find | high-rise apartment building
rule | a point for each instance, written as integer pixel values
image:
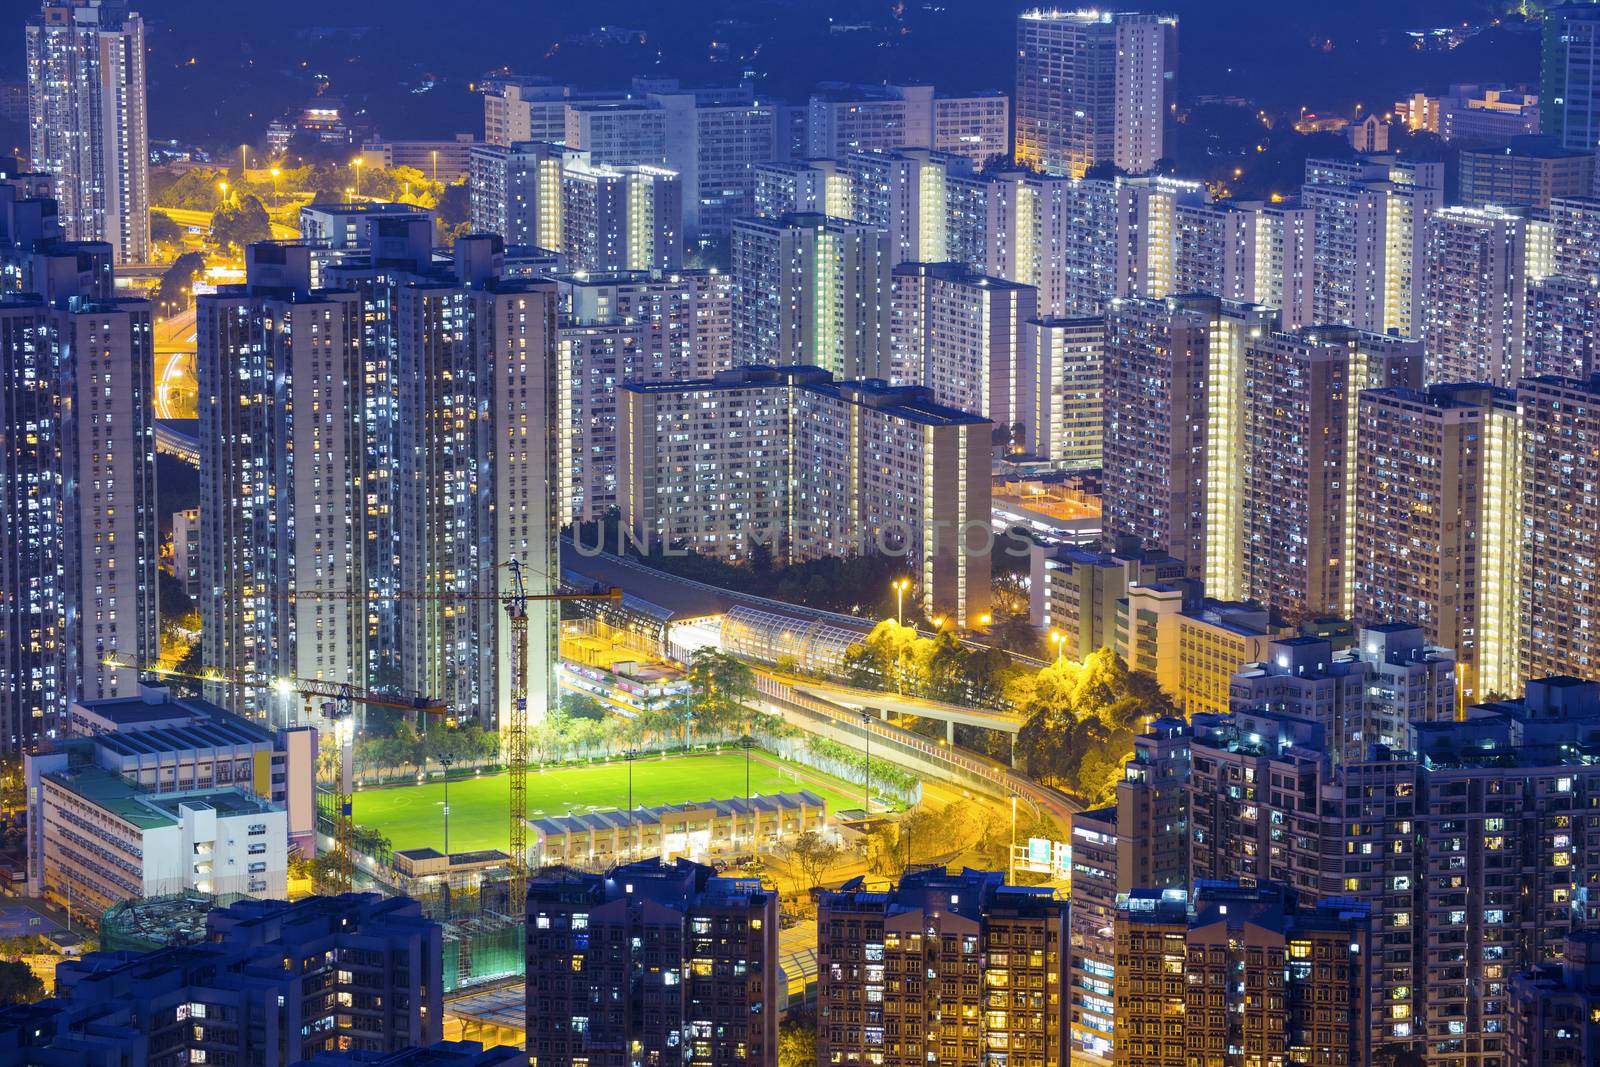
(620, 217)
(1157, 369)
(651, 961)
(1528, 172)
(1466, 846)
(272, 983)
(1091, 1005)
(812, 289)
(1244, 971)
(1570, 76)
(623, 327)
(1474, 289)
(1555, 1007)
(944, 968)
(1286, 261)
(599, 217)
(443, 378)
(962, 335)
(1563, 297)
(810, 466)
(713, 142)
(282, 464)
(1575, 233)
(1368, 247)
(87, 122)
(1560, 519)
(617, 133)
(528, 108)
(1093, 88)
(1062, 393)
(77, 493)
(1174, 410)
(1562, 335)
(1368, 694)
(1079, 242)
(1437, 537)
(843, 118)
(1296, 449)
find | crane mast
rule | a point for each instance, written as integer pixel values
(517, 737)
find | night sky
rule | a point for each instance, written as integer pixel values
(252, 61)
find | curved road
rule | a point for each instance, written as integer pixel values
(175, 342)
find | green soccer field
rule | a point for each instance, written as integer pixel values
(412, 817)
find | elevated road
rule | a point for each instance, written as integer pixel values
(176, 388)
(911, 750)
(952, 715)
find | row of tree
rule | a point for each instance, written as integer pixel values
(1080, 716)
(716, 708)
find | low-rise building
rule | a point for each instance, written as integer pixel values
(695, 830)
(103, 841)
(154, 794)
(1193, 645)
(423, 872)
(1074, 592)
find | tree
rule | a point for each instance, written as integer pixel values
(240, 222)
(164, 231)
(809, 856)
(18, 984)
(760, 557)
(894, 845)
(455, 204)
(864, 667)
(196, 190)
(722, 686)
(582, 706)
(179, 277)
(175, 605)
(797, 1041)
(324, 873)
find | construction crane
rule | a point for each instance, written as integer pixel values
(517, 738)
(337, 706)
(516, 721)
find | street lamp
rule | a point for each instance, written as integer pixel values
(275, 194)
(1057, 638)
(629, 756)
(745, 742)
(445, 761)
(356, 163)
(224, 187)
(900, 587)
(866, 775)
(435, 154)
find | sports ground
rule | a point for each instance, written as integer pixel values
(412, 816)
